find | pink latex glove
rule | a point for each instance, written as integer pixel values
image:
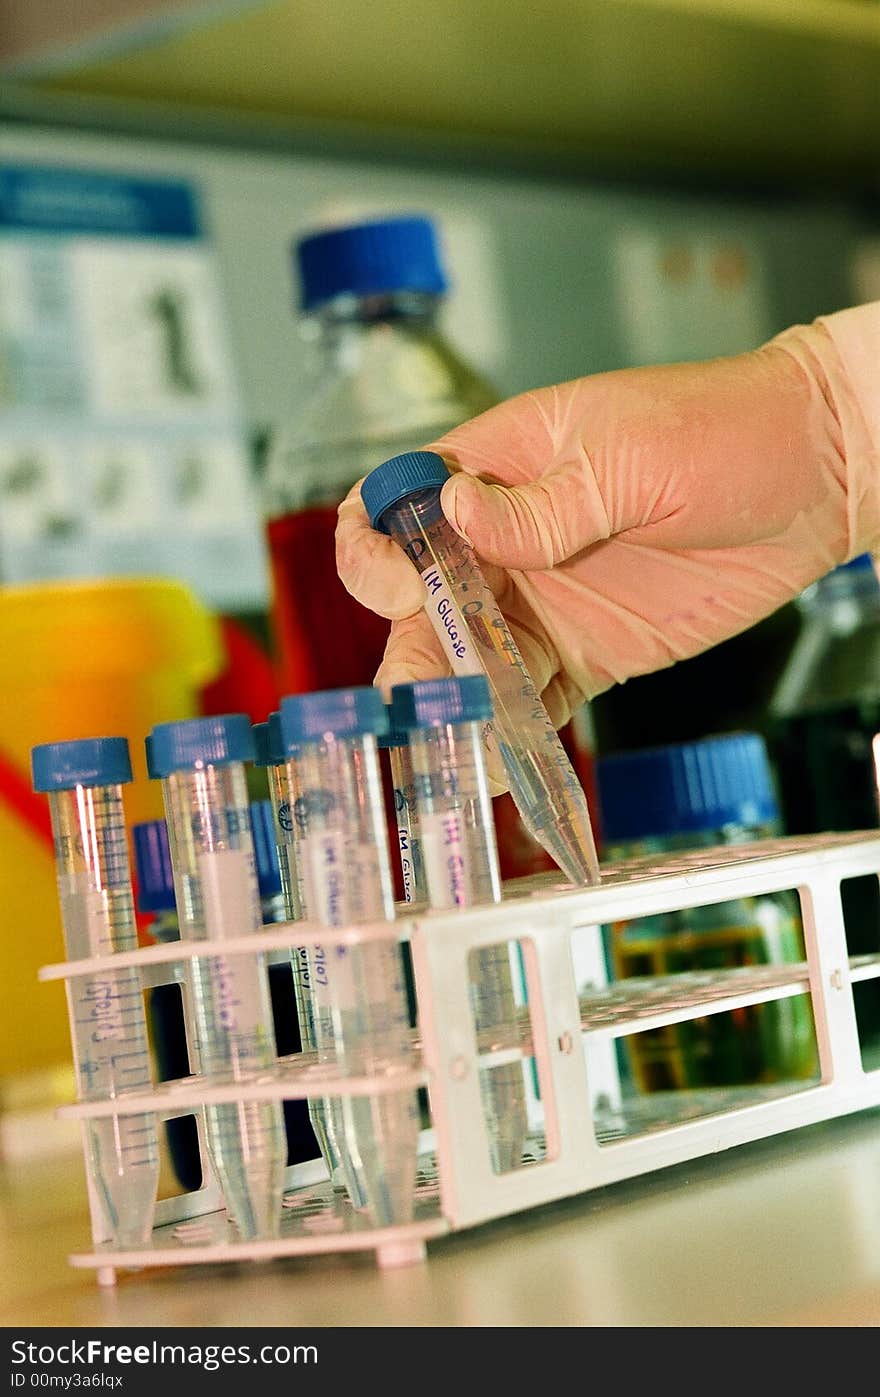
(631, 519)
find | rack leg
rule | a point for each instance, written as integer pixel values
(401, 1254)
(106, 1275)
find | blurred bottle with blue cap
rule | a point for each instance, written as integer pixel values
(697, 795)
(824, 720)
(382, 379)
(201, 765)
(826, 708)
(359, 998)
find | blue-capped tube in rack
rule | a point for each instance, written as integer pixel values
(201, 764)
(444, 719)
(84, 781)
(361, 1012)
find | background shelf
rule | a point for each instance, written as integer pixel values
(744, 85)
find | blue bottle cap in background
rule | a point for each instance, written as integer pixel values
(197, 742)
(152, 861)
(857, 564)
(369, 259)
(686, 788)
(433, 702)
(395, 736)
(856, 579)
(265, 848)
(332, 712)
(401, 476)
(87, 761)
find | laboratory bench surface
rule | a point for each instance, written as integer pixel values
(783, 1232)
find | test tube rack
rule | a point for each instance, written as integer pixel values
(575, 1151)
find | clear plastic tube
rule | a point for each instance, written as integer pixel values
(402, 497)
(444, 719)
(302, 1145)
(208, 817)
(361, 1015)
(284, 793)
(409, 836)
(406, 813)
(111, 1049)
(169, 1005)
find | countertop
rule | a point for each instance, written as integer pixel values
(783, 1232)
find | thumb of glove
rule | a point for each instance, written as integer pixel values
(530, 526)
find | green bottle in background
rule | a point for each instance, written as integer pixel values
(687, 796)
(824, 719)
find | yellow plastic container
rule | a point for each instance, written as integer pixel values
(77, 659)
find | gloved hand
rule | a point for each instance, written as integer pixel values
(631, 519)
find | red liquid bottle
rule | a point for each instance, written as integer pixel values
(383, 379)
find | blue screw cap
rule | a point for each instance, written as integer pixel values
(331, 712)
(265, 848)
(686, 788)
(370, 259)
(87, 761)
(267, 736)
(399, 477)
(152, 861)
(395, 736)
(197, 742)
(434, 702)
(277, 750)
(261, 744)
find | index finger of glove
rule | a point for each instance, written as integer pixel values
(372, 567)
(412, 653)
